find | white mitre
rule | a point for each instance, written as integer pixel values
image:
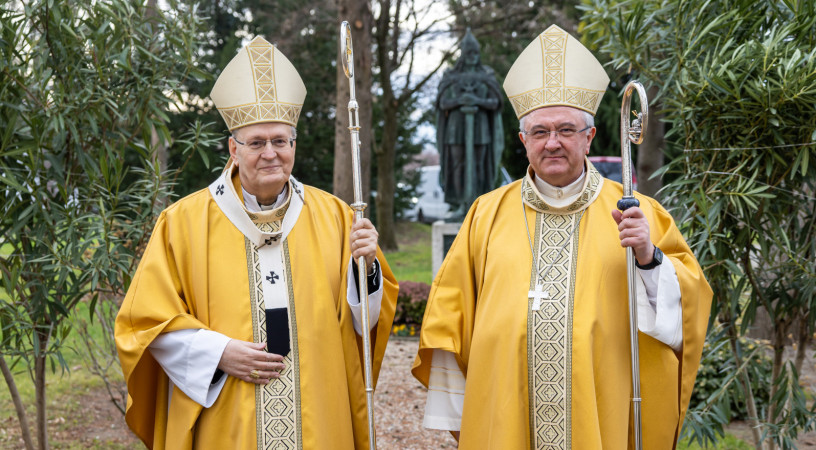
(259, 85)
(555, 70)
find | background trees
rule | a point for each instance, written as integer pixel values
(737, 80)
(85, 90)
(401, 25)
(90, 92)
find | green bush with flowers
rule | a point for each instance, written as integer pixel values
(413, 296)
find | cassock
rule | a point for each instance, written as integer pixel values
(212, 265)
(543, 347)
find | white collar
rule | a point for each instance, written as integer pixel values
(252, 205)
(225, 196)
(559, 196)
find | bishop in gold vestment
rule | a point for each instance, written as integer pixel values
(525, 339)
(253, 276)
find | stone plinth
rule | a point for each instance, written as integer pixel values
(442, 236)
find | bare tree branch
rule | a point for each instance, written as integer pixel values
(407, 93)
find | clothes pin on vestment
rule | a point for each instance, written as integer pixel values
(537, 296)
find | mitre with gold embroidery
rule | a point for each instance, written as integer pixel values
(259, 85)
(555, 70)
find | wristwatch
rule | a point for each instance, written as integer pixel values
(657, 259)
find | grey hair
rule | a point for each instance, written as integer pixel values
(589, 120)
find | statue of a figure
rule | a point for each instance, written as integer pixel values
(469, 132)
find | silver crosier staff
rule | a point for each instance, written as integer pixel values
(632, 133)
(347, 61)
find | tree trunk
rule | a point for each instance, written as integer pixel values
(358, 14)
(386, 187)
(802, 343)
(753, 418)
(802, 339)
(18, 404)
(650, 153)
(39, 390)
(778, 343)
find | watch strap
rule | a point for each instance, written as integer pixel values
(657, 259)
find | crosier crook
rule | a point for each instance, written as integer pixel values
(632, 133)
(347, 61)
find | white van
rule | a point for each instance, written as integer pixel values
(429, 204)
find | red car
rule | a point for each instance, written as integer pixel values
(610, 167)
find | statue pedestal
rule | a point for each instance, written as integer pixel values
(442, 236)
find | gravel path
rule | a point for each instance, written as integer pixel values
(399, 403)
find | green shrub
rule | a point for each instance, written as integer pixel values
(717, 371)
(413, 296)
(729, 442)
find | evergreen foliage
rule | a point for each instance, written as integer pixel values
(738, 81)
(504, 30)
(714, 391)
(307, 33)
(85, 92)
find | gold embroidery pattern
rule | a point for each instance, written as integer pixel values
(554, 45)
(262, 58)
(243, 115)
(277, 403)
(266, 107)
(271, 221)
(554, 91)
(549, 332)
(592, 188)
(293, 327)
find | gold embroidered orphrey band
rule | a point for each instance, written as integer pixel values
(549, 328)
(549, 332)
(277, 403)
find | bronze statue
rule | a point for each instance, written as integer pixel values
(469, 132)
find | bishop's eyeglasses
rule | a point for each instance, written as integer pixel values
(539, 134)
(260, 144)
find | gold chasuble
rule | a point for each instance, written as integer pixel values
(204, 269)
(545, 347)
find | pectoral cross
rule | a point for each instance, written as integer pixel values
(537, 296)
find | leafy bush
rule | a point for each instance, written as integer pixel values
(716, 382)
(729, 442)
(413, 296)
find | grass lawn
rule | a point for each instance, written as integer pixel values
(729, 442)
(413, 260)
